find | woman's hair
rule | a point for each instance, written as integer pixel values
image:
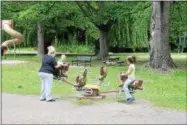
(132, 59)
(51, 51)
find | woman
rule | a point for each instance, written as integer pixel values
(46, 74)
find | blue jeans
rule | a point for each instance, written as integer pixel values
(125, 87)
(46, 85)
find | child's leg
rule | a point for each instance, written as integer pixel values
(63, 73)
(125, 87)
(60, 72)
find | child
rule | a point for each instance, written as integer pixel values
(65, 66)
(131, 78)
(62, 59)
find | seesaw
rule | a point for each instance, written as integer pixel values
(92, 91)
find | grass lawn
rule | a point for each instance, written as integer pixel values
(165, 90)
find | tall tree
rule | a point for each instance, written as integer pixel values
(55, 20)
(40, 35)
(178, 25)
(131, 29)
(160, 57)
(106, 16)
(35, 14)
(97, 15)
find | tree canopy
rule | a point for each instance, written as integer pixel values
(65, 21)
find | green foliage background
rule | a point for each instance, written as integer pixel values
(130, 30)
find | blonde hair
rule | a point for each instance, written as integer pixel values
(51, 51)
(63, 56)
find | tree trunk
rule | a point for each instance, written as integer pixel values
(40, 35)
(160, 57)
(103, 45)
(48, 40)
(86, 38)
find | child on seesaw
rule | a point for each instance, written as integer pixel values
(131, 78)
(65, 66)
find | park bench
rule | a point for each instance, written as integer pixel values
(121, 63)
(86, 59)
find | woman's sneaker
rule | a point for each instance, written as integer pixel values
(42, 99)
(130, 100)
(51, 100)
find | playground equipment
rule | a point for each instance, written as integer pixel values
(87, 90)
(61, 72)
(137, 84)
(92, 91)
(7, 26)
(80, 80)
(103, 74)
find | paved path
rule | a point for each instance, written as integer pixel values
(18, 109)
(12, 61)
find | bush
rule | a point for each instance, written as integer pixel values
(74, 48)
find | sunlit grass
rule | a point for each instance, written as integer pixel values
(164, 89)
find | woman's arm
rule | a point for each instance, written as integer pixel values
(70, 83)
(58, 65)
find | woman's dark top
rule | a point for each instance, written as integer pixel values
(48, 64)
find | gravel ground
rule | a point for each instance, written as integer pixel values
(19, 109)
